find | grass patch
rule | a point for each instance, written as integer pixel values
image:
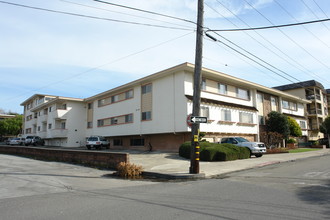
(300, 150)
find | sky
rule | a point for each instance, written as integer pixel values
(79, 48)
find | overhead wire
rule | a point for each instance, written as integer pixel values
(92, 17)
(267, 48)
(293, 41)
(313, 13)
(105, 64)
(127, 14)
(146, 11)
(289, 59)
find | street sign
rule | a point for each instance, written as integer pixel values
(198, 119)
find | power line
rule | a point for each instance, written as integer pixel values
(293, 41)
(105, 64)
(92, 17)
(313, 12)
(246, 56)
(146, 11)
(127, 14)
(293, 62)
(273, 26)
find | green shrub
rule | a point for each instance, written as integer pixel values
(216, 152)
(291, 141)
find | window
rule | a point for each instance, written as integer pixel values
(203, 84)
(146, 88)
(242, 93)
(137, 142)
(114, 98)
(90, 105)
(273, 103)
(245, 117)
(39, 128)
(204, 111)
(62, 125)
(222, 89)
(129, 94)
(302, 124)
(293, 106)
(129, 118)
(89, 124)
(49, 126)
(46, 111)
(114, 121)
(100, 123)
(118, 142)
(146, 116)
(289, 105)
(285, 104)
(50, 109)
(101, 102)
(225, 115)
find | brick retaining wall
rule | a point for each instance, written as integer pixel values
(107, 160)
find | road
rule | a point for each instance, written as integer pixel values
(43, 190)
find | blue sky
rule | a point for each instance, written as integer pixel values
(58, 54)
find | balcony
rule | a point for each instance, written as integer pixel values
(60, 114)
(314, 112)
(59, 133)
(313, 97)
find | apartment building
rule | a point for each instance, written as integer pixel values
(317, 110)
(151, 113)
(328, 100)
(58, 120)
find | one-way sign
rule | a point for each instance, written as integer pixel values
(198, 119)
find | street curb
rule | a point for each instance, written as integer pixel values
(174, 176)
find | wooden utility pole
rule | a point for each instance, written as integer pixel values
(194, 161)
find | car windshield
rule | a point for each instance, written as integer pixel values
(93, 139)
(240, 139)
(16, 139)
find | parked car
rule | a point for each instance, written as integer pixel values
(17, 141)
(98, 142)
(256, 148)
(34, 140)
(8, 141)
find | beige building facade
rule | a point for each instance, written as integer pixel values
(151, 113)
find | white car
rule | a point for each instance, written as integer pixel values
(98, 142)
(17, 141)
(256, 148)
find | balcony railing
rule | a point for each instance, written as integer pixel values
(313, 97)
(59, 133)
(315, 111)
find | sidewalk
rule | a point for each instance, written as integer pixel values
(172, 166)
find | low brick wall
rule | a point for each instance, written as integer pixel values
(106, 160)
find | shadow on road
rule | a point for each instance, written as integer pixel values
(318, 194)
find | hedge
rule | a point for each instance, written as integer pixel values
(216, 152)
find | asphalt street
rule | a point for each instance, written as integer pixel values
(46, 190)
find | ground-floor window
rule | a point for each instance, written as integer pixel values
(118, 142)
(137, 142)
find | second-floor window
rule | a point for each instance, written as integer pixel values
(222, 89)
(242, 93)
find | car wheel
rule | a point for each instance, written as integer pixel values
(258, 155)
(88, 147)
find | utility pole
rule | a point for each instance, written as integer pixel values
(195, 148)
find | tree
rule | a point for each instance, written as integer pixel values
(294, 127)
(277, 122)
(325, 128)
(11, 126)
